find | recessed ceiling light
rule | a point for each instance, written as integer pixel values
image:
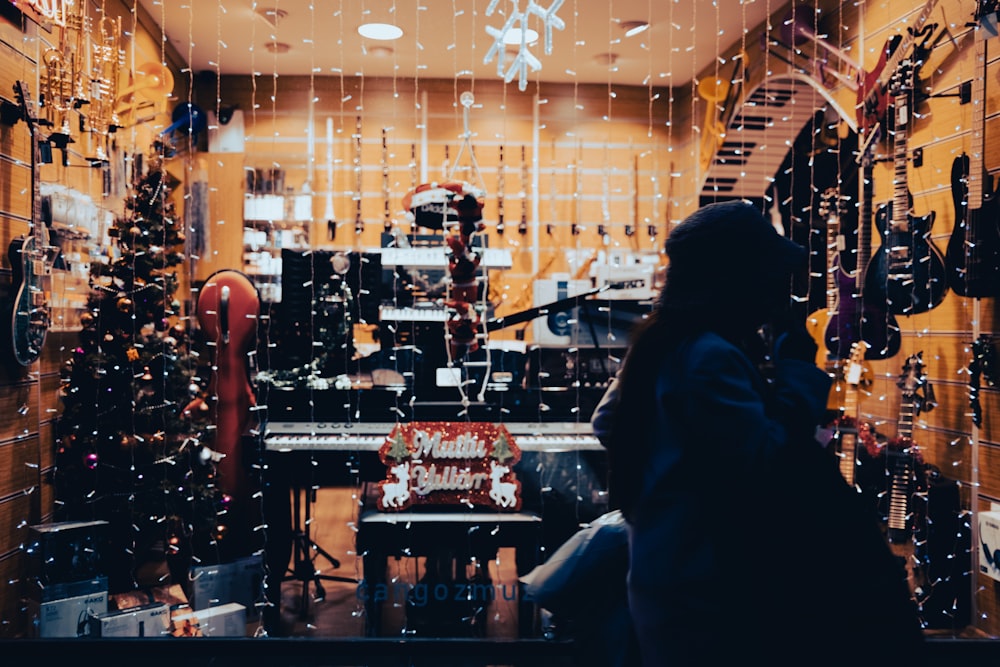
(379, 51)
(380, 31)
(277, 47)
(633, 28)
(513, 36)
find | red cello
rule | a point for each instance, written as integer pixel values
(228, 309)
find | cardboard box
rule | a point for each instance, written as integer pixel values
(227, 620)
(68, 617)
(989, 538)
(149, 620)
(239, 581)
(65, 551)
(68, 589)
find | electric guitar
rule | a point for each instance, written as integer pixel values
(848, 431)
(973, 253)
(31, 258)
(903, 461)
(227, 310)
(840, 289)
(876, 326)
(908, 269)
(872, 100)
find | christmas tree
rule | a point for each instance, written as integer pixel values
(133, 443)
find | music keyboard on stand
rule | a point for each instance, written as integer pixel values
(436, 257)
(551, 437)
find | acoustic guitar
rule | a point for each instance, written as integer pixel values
(228, 308)
(973, 253)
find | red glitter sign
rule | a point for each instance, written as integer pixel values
(449, 463)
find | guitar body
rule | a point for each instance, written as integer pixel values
(923, 283)
(30, 314)
(228, 308)
(972, 256)
(872, 100)
(856, 320)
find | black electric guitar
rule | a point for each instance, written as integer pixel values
(907, 269)
(973, 252)
(903, 461)
(858, 317)
(31, 258)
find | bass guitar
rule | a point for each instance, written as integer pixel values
(228, 308)
(973, 253)
(908, 269)
(31, 258)
(872, 98)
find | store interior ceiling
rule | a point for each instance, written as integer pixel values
(445, 39)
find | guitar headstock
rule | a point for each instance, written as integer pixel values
(24, 100)
(912, 376)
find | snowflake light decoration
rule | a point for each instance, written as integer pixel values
(524, 58)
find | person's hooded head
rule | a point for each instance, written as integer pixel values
(728, 264)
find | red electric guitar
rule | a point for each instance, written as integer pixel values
(873, 100)
(228, 309)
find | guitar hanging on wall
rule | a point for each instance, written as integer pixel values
(907, 269)
(31, 257)
(872, 97)
(876, 326)
(973, 253)
(903, 461)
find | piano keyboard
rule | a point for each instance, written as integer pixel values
(411, 314)
(370, 436)
(436, 257)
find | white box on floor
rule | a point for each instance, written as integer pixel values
(239, 581)
(148, 620)
(68, 617)
(227, 620)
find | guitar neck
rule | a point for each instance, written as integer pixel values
(974, 179)
(901, 193)
(865, 219)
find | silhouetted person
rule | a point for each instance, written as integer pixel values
(731, 501)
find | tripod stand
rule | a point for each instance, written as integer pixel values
(305, 551)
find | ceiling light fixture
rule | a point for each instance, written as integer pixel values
(513, 36)
(633, 28)
(383, 32)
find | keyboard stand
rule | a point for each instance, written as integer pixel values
(305, 551)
